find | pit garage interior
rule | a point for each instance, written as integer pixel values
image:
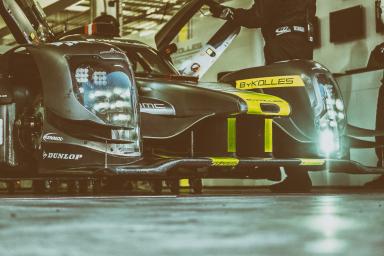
(227, 216)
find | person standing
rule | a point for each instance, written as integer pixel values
(287, 29)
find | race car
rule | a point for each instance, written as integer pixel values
(91, 107)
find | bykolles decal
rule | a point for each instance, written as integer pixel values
(270, 82)
(156, 107)
(62, 156)
(52, 137)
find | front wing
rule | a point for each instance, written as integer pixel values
(215, 167)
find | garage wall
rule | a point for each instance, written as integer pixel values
(351, 55)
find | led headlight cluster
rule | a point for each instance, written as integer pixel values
(82, 75)
(121, 118)
(105, 88)
(100, 78)
(124, 94)
(334, 108)
(330, 117)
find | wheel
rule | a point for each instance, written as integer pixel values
(96, 186)
(157, 187)
(11, 187)
(196, 185)
(114, 185)
(83, 186)
(38, 186)
(71, 187)
(174, 186)
(54, 186)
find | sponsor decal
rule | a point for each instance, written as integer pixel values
(254, 101)
(52, 137)
(282, 30)
(61, 156)
(270, 82)
(312, 162)
(299, 29)
(224, 161)
(156, 107)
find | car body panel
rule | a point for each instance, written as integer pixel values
(225, 130)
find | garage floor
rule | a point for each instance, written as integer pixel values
(343, 222)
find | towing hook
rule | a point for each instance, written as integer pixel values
(29, 123)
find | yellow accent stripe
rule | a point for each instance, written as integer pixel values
(270, 82)
(312, 162)
(254, 101)
(184, 183)
(231, 130)
(268, 136)
(224, 161)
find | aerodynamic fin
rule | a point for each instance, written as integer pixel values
(361, 132)
(290, 128)
(357, 143)
(352, 167)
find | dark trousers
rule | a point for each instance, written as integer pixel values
(380, 123)
(287, 47)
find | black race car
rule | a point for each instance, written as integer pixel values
(88, 107)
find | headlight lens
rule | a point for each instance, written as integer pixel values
(329, 142)
(106, 89)
(329, 115)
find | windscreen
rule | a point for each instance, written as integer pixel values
(145, 60)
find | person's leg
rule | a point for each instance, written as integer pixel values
(379, 183)
(376, 183)
(297, 181)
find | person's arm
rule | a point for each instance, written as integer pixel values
(311, 9)
(255, 17)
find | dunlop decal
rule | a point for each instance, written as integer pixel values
(224, 161)
(270, 82)
(312, 162)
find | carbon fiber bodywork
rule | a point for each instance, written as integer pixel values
(78, 106)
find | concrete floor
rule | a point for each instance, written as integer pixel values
(254, 224)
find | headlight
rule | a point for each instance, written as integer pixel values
(340, 105)
(328, 142)
(105, 87)
(329, 115)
